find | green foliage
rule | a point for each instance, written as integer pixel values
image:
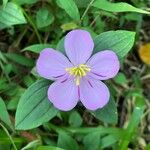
(75, 119)
(44, 18)
(4, 116)
(29, 26)
(11, 15)
(117, 7)
(118, 41)
(37, 48)
(21, 2)
(111, 111)
(66, 142)
(49, 148)
(92, 141)
(70, 7)
(20, 59)
(120, 78)
(34, 107)
(4, 3)
(133, 123)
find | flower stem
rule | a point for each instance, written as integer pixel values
(6, 131)
(85, 12)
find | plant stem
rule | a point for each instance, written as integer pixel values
(85, 12)
(33, 25)
(6, 131)
(3, 69)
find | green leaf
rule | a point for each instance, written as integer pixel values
(75, 119)
(82, 3)
(49, 148)
(22, 60)
(37, 48)
(92, 141)
(21, 2)
(133, 122)
(67, 142)
(4, 3)
(70, 7)
(110, 140)
(44, 18)
(60, 46)
(108, 113)
(117, 7)
(11, 15)
(32, 144)
(34, 108)
(120, 78)
(119, 41)
(4, 116)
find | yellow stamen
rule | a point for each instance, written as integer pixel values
(78, 72)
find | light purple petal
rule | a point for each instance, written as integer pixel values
(94, 94)
(51, 64)
(104, 65)
(79, 46)
(63, 94)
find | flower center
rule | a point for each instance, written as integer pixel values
(78, 72)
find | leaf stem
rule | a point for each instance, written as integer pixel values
(33, 25)
(85, 12)
(6, 131)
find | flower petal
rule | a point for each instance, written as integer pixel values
(79, 46)
(51, 64)
(104, 65)
(63, 94)
(94, 94)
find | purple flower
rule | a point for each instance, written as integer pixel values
(78, 76)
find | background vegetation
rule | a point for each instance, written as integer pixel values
(28, 26)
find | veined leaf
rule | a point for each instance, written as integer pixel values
(11, 15)
(34, 108)
(117, 7)
(119, 41)
(70, 7)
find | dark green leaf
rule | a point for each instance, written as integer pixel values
(75, 119)
(34, 108)
(20, 59)
(119, 41)
(70, 7)
(117, 7)
(60, 46)
(67, 142)
(4, 116)
(44, 18)
(108, 113)
(92, 141)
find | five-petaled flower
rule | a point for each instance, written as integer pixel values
(78, 76)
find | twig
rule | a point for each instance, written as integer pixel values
(89, 5)
(15, 148)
